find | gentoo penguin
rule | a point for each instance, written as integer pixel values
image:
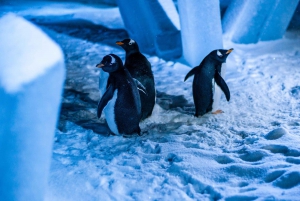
(121, 100)
(140, 69)
(209, 69)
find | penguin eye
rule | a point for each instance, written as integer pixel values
(131, 42)
(219, 53)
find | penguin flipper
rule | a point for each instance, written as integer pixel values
(222, 84)
(140, 86)
(192, 72)
(104, 100)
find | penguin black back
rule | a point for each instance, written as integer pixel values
(209, 69)
(140, 69)
(121, 101)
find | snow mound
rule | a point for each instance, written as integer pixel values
(18, 66)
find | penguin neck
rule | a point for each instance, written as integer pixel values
(215, 62)
(118, 73)
(132, 51)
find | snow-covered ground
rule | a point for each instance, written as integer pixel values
(250, 152)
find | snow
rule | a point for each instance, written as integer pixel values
(251, 151)
(25, 65)
(31, 80)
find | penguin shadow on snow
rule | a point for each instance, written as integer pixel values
(176, 103)
(78, 107)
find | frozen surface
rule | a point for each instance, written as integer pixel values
(252, 21)
(252, 151)
(31, 77)
(19, 67)
(201, 30)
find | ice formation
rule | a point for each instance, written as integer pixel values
(31, 80)
(251, 21)
(149, 23)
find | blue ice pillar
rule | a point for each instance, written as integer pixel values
(31, 80)
(201, 30)
(154, 24)
(201, 33)
(279, 20)
(249, 21)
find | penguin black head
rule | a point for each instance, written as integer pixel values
(129, 45)
(220, 55)
(110, 63)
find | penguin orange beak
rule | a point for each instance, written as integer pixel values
(99, 65)
(229, 51)
(119, 43)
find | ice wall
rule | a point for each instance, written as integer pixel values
(31, 80)
(154, 24)
(201, 30)
(249, 21)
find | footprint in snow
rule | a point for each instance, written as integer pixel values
(276, 134)
(281, 149)
(224, 159)
(295, 92)
(288, 180)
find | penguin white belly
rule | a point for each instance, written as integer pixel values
(218, 91)
(109, 112)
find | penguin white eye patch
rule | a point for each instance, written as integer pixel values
(113, 60)
(131, 42)
(219, 53)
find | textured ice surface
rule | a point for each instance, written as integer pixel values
(201, 30)
(251, 21)
(19, 67)
(148, 23)
(31, 76)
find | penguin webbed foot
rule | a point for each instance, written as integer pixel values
(218, 112)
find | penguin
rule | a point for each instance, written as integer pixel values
(121, 100)
(209, 69)
(140, 69)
